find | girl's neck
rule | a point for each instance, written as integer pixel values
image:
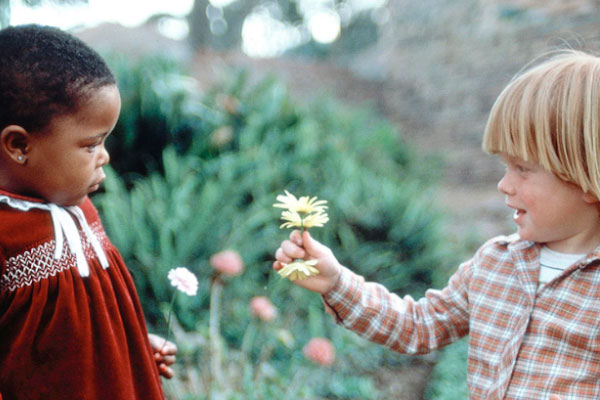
(9, 193)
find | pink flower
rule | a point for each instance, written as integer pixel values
(263, 308)
(320, 351)
(184, 280)
(227, 262)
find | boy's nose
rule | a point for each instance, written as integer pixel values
(504, 186)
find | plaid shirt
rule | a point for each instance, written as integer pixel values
(523, 343)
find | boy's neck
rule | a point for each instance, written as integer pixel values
(582, 246)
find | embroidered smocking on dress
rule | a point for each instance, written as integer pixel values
(36, 261)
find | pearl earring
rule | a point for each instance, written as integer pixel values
(19, 158)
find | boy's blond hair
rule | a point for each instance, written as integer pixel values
(550, 114)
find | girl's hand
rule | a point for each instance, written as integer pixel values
(305, 247)
(164, 354)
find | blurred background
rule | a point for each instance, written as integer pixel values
(377, 106)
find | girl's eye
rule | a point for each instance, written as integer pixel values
(92, 147)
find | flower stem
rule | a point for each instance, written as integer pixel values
(169, 320)
(213, 330)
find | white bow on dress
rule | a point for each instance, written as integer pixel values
(65, 229)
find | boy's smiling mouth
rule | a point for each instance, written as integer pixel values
(518, 213)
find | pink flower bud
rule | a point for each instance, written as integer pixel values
(263, 308)
(227, 262)
(320, 351)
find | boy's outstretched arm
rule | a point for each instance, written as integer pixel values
(305, 247)
(164, 354)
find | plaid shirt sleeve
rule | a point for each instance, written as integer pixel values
(525, 342)
(403, 324)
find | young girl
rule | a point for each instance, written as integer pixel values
(71, 326)
(530, 301)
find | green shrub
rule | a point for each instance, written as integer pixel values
(449, 377)
(160, 108)
(208, 184)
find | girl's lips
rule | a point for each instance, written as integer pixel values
(96, 186)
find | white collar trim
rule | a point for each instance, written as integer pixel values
(65, 229)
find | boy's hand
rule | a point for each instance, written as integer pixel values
(307, 248)
(554, 397)
(164, 354)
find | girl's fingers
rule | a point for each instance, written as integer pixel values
(169, 360)
(165, 371)
(169, 349)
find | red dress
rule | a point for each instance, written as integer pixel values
(64, 335)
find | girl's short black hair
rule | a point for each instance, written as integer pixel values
(45, 72)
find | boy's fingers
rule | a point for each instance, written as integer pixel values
(291, 250)
(296, 237)
(280, 256)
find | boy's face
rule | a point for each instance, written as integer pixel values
(549, 210)
(65, 160)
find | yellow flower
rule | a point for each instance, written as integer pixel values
(302, 213)
(317, 219)
(298, 269)
(303, 205)
(295, 220)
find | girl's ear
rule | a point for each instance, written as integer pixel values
(15, 143)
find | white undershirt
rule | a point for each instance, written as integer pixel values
(553, 263)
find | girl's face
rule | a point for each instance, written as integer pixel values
(549, 210)
(65, 159)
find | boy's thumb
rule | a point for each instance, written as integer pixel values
(311, 245)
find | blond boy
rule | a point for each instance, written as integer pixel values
(530, 302)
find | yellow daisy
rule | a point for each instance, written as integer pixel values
(303, 205)
(317, 219)
(295, 220)
(298, 269)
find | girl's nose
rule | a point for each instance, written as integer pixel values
(104, 157)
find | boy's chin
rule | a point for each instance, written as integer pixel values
(525, 235)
